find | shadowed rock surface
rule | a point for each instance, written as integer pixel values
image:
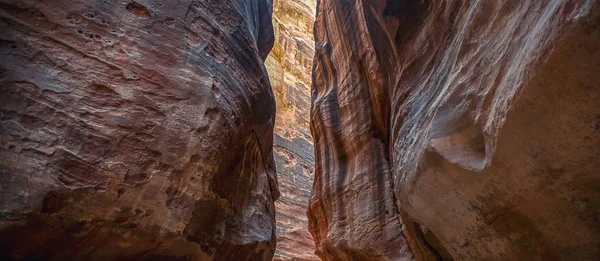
(465, 130)
(136, 130)
(290, 65)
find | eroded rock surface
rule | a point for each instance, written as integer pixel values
(290, 66)
(136, 130)
(463, 130)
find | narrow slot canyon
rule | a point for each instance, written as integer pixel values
(299, 130)
(290, 72)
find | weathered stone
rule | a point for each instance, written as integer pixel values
(289, 66)
(136, 130)
(295, 163)
(467, 130)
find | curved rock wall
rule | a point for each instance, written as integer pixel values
(136, 130)
(290, 65)
(462, 130)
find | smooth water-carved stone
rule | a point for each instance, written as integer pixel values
(461, 130)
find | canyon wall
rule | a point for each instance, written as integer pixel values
(290, 65)
(456, 130)
(136, 130)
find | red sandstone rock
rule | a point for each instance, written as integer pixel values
(463, 130)
(136, 130)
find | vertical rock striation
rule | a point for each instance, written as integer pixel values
(136, 130)
(289, 65)
(463, 130)
(353, 213)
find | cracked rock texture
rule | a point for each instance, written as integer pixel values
(290, 65)
(136, 130)
(456, 130)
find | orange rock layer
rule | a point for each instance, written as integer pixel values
(456, 130)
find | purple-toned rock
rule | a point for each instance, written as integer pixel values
(136, 130)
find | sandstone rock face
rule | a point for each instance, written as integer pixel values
(136, 130)
(290, 66)
(463, 130)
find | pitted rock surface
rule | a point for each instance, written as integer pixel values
(136, 130)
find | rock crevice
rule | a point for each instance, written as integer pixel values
(289, 65)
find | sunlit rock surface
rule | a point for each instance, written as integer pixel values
(136, 130)
(290, 65)
(465, 130)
